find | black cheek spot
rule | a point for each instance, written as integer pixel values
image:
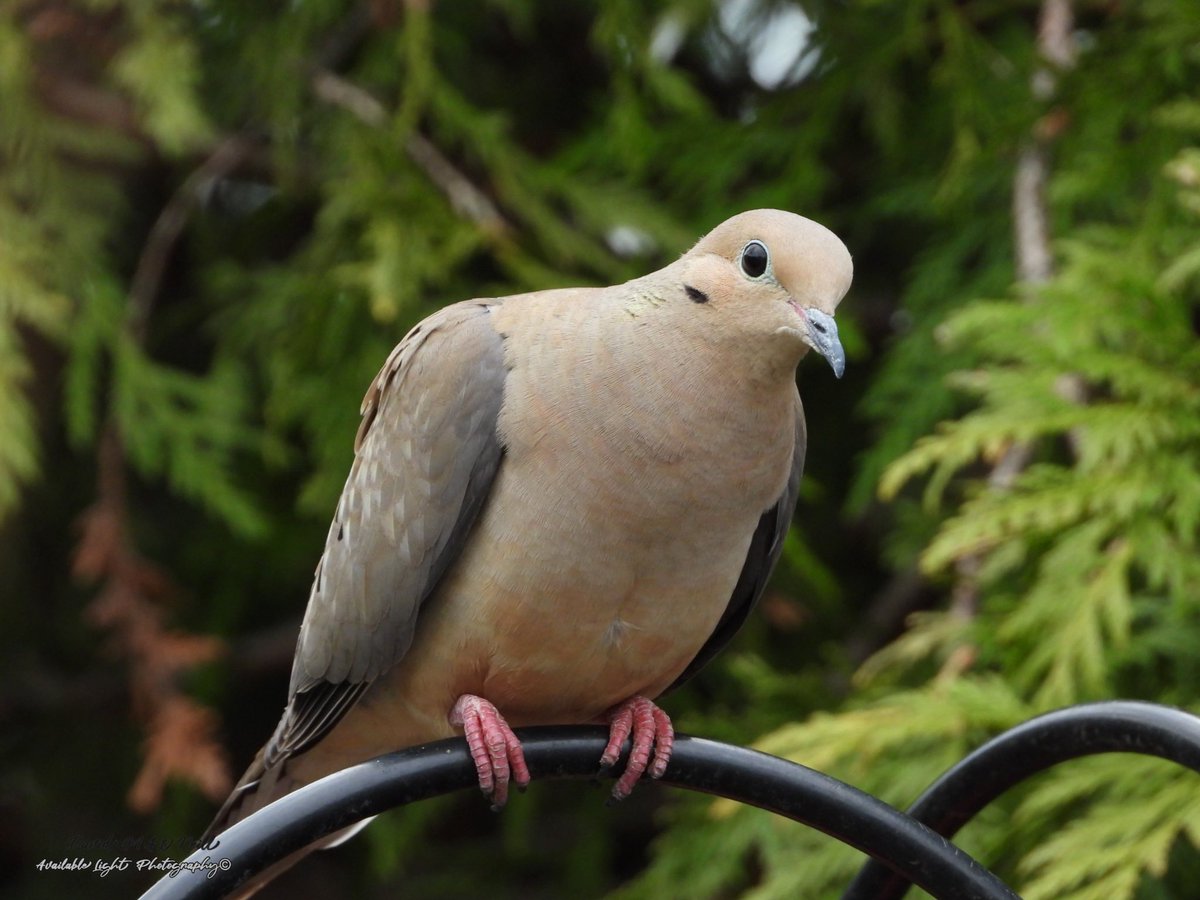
(341, 531)
(696, 295)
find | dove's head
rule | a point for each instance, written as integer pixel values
(772, 279)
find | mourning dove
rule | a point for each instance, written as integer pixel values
(562, 504)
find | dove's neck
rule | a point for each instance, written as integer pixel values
(678, 388)
(703, 331)
(644, 399)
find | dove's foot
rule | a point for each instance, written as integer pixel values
(652, 730)
(494, 748)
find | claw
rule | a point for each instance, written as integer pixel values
(494, 748)
(651, 729)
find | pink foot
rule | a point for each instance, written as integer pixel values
(494, 748)
(651, 728)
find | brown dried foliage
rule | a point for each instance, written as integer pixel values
(181, 735)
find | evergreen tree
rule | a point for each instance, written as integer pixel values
(217, 218)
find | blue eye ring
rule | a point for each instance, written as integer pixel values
(755, 259)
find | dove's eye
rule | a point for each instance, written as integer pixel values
(755, 258)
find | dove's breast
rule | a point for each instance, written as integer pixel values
(615, 531)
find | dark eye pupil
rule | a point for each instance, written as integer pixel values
(754, 259)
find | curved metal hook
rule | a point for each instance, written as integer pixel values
(748, 776)
(1117, 726)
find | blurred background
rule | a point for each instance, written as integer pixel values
(217, 218)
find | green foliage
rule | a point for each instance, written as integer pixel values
(38, 243)
(1127, 810)
(160, 71)
(1101, 374)
(712, 849)
(18, 457)
(395, 157)
(1091, 556)
(1085, 562)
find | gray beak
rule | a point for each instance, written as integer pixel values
(823, 333)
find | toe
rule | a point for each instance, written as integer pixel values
(494, 747)
(653, 738)
(619, 725)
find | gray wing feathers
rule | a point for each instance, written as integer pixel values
(425, 457)
(766, 546)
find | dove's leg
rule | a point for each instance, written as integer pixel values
(651, 728)
(494, 748)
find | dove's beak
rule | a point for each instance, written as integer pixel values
(822, 336)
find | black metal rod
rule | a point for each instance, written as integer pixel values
(748, 776)
(1032, 747)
